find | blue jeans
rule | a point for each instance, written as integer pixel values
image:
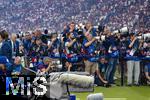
(110, 71)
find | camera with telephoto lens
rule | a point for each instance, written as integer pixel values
(100, 28)
(80, 32)
(102, 37)
(144, 36)
(121, 31)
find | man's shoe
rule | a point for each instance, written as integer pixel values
(129, 85)
(137, 84)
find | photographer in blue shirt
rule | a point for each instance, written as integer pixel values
(111, 44)
(54, 46)
(5, 48)
(73, 50)
(101, 71)
(133, 60)
(113, 54)
(91, 61)
(146, 60)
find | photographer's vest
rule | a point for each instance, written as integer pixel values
(90, 52)
(133, 53)
(74, 49)
(73, 53)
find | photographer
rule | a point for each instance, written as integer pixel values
(146, 61)
(14, 43)
(111, 43)
(67, 67)
(113, 55)
(38, 34)
(27, 41)
(73, 49)
(122, 53)
(101, 71)
(45, 65)
(54, 46)
(21, 52)
(37, 51)
(89, 44)
(107, 38)
(5, 48)
(24, 50)
(133, 60)
(45, 37)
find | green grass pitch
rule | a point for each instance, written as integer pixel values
(119, 93)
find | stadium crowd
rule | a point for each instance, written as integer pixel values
(25, 15)
(80, 47)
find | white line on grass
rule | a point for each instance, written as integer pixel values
(115, 98)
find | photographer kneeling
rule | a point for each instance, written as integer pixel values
(46, 65)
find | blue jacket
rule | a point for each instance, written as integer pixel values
(5, 61)
(27, 45)
(5, 50)
(17, 68)
(16, 47)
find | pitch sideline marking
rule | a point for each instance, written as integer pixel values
(115, 98)
(111, 99)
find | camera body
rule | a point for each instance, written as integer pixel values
(101, 28)
(21, 35)
(57, 63)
